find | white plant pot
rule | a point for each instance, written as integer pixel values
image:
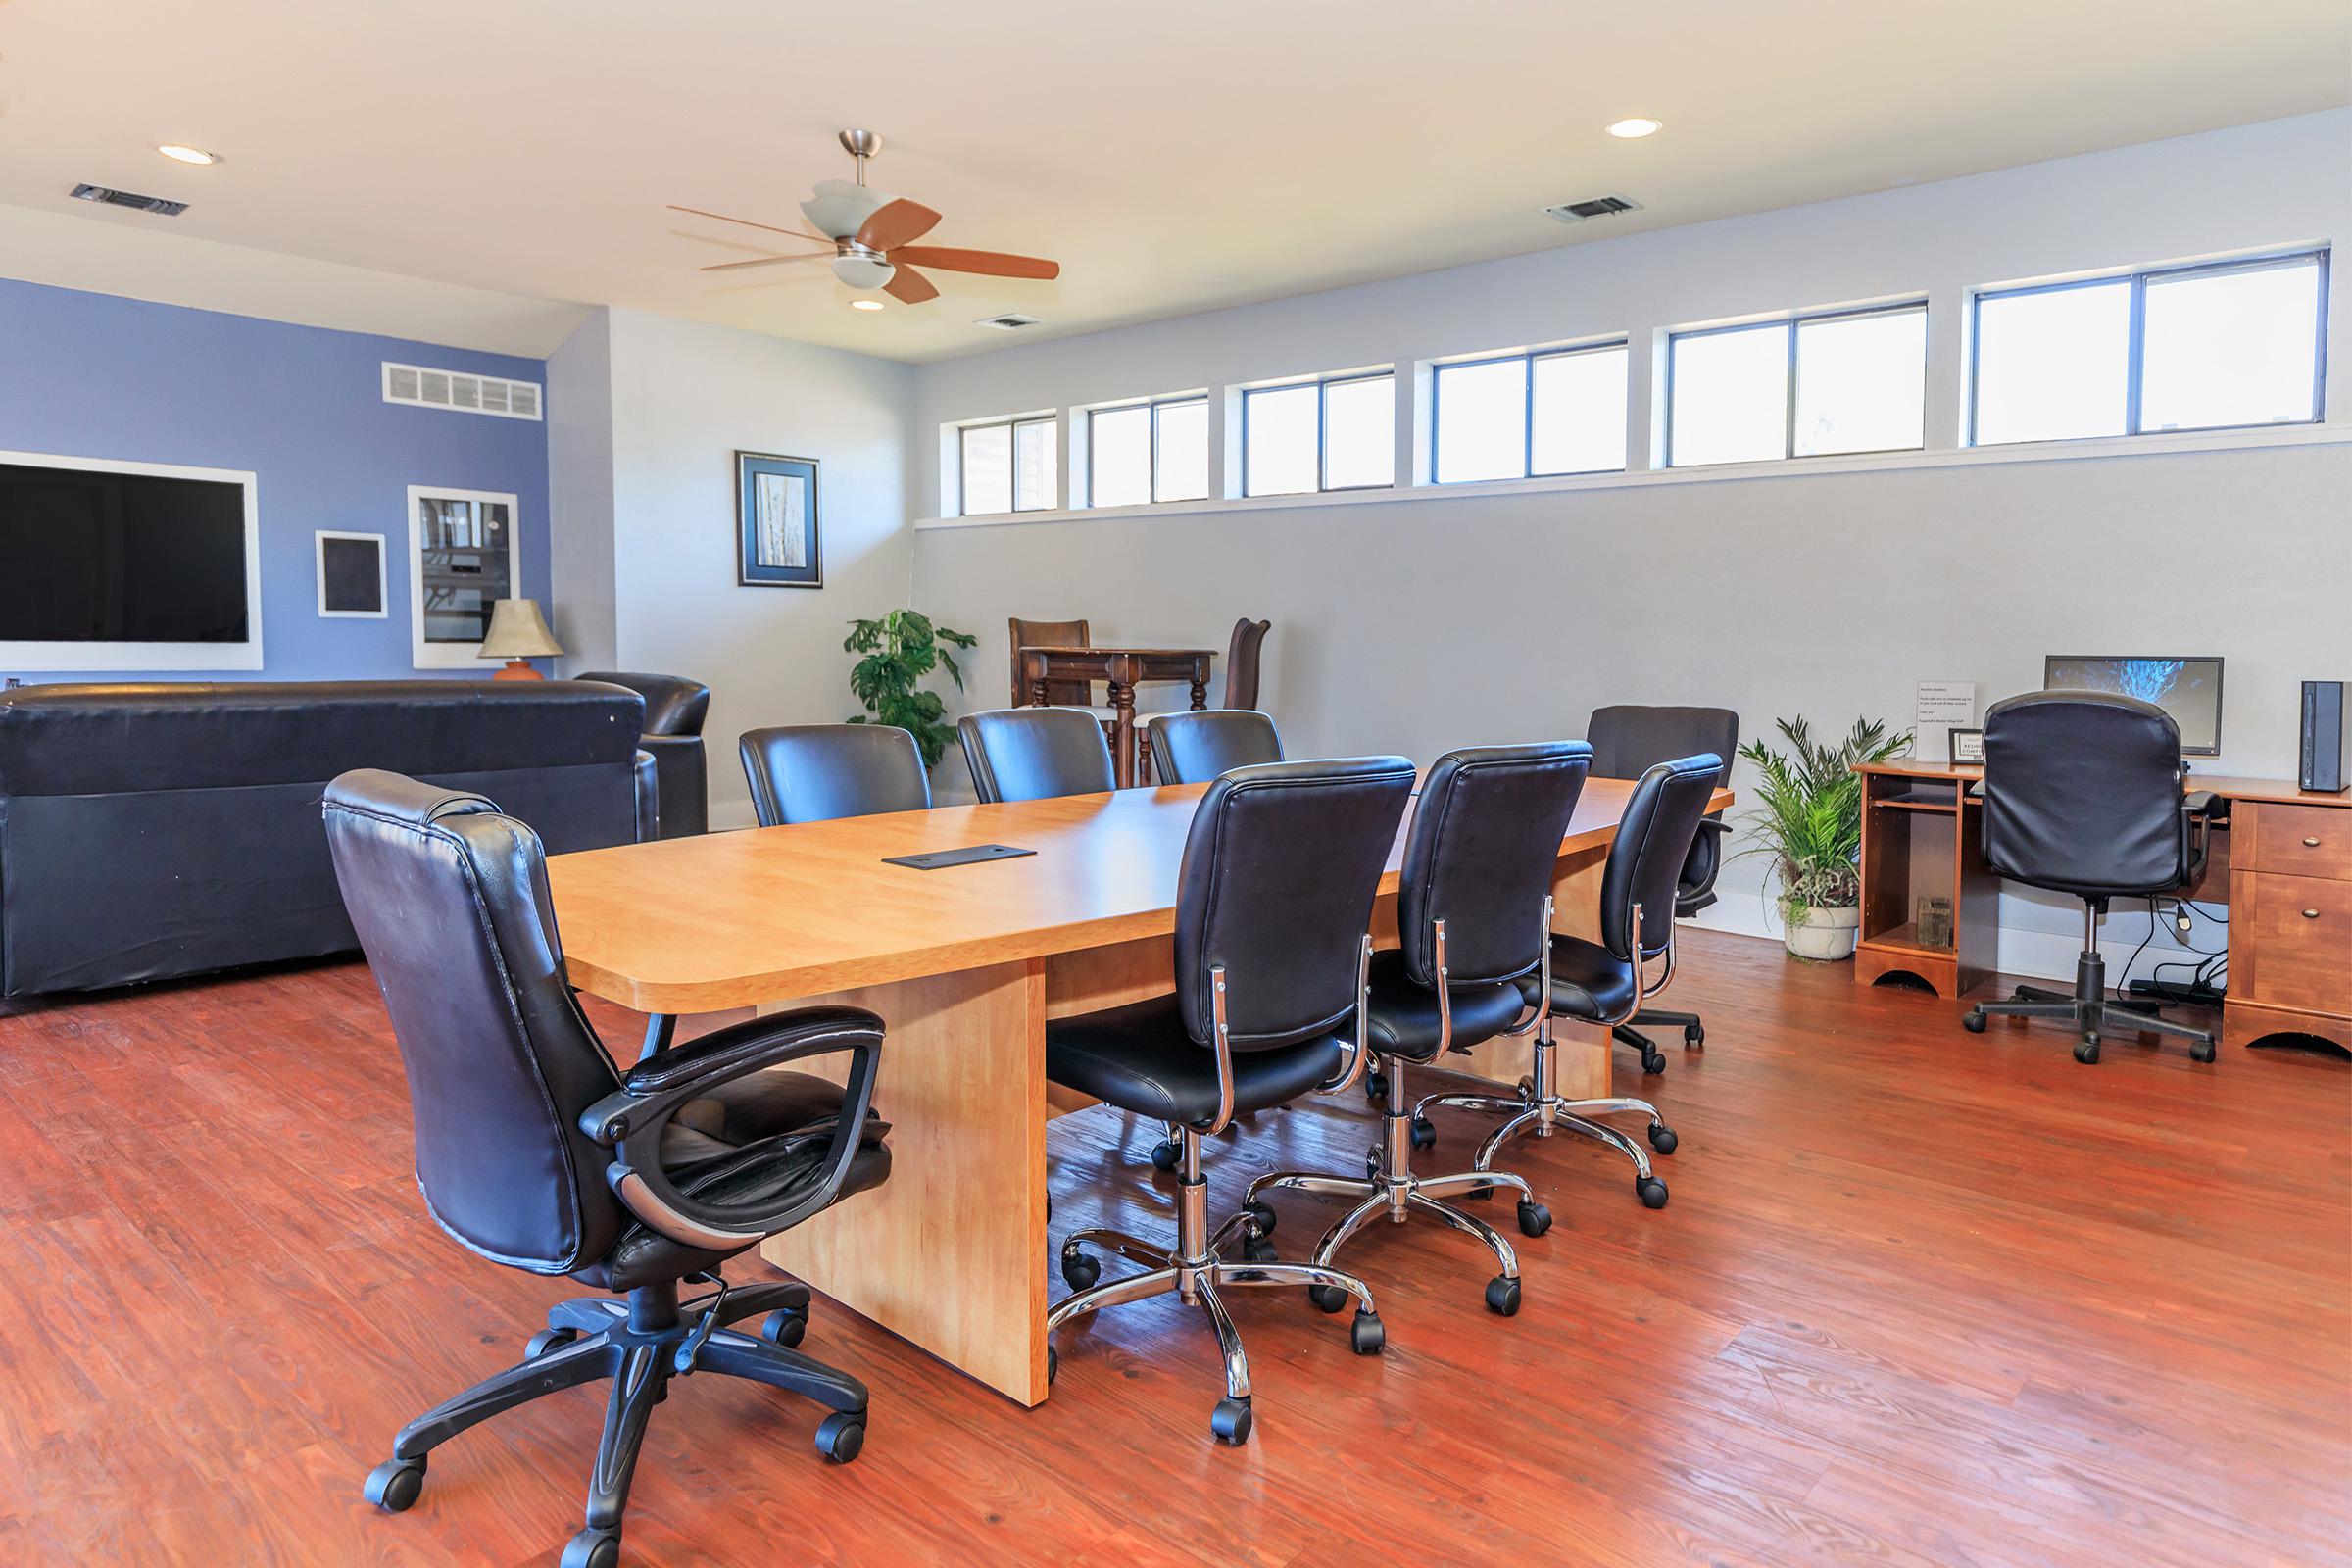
(1823, 936)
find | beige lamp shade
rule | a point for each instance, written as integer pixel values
(518, 632)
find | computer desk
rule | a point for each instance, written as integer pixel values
(2283, 866)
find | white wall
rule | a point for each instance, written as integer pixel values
(1421, 623)
(582, 604)
(684, 399)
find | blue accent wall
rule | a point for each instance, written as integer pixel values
(94, 376)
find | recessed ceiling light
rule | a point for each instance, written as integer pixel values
(1633, 129)
(188, 155)
(865, 305)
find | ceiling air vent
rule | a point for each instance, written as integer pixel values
(162, 207)
(427, 388)
(1010, 321)
(1597, 207)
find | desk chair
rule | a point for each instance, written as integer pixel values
(1034, 754)
(1604, 983)
(1195, 748)
(817, 772)
(1273, 904)
(535, 1151)
(2082, 795)
(1474, 915)
(1627, 740)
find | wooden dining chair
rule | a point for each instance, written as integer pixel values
(1241, 662)
(1049, 634)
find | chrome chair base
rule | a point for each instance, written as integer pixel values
(1194, 1272)
(1540, 1111)
(1389, 1189)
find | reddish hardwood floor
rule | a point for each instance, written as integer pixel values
(1921, 1298)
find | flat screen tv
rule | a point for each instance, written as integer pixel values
(121, 557)
(2188, 689)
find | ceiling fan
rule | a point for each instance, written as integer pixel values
(869, 237)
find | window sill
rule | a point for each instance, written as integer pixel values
(2333, 432)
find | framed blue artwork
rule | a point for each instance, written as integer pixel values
(775, 507)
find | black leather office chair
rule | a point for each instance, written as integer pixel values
(1605, 982)
(535, 1151)
(1034, 754)
(1473, 915)
(1627, 740)
(2083, 794)
(674, 710)
(815, 772)
(1195, 748)
(1273, 904)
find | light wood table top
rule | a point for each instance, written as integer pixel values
(769, 915)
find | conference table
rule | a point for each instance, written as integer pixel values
(964, 965)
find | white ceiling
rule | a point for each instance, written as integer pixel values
(1172, 158)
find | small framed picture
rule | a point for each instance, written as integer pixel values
(351, 576)
(1968, 748)
(775, 507)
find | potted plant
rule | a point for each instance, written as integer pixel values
(899, 651)
(1810, 820)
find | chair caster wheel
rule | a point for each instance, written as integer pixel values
(592, 1549)
(1661, 1138)
(1693, 1036)
(1503, 1295)
(2201, 1050)
(1263, 1215)
(1053, 1365)
(546, 1340)
(1230, 1421)
(1365, 1335)
(1972, 1020)
(1654, 1061)
(1527, 1089)
(1327, 1298)
(1079, 1272)
(1482, 1192)
(1651, 1190)
(2088, 1053)
(840, 1436)
(1376, 1087)
(1371, 1164)
(1165, 1154)
(1257, 1249)
(394, 1485)
(1534, 1218)
(1425, 1133)
(2020, 995)
(784, 1329)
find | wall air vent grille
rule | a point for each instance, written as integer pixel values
(453, 389)
(1595, 207)
(1010, 321)
(105, 196)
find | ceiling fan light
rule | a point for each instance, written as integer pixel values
(839, 209)
(864, 272)
(865, 305)
(1633, 128)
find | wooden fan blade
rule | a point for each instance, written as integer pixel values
(990, 264)
(796, 233)
(769, 260)
(893, 223)
(910, 287)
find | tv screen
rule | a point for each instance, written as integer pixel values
(90, 557)
(2188, 689)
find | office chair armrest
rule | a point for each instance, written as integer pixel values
(2202, 806)
(630, 1121)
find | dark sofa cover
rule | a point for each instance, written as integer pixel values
(148, 831)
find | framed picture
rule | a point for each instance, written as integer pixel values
(465, 555)
(776, 515)
(351, 576)
(1967, 747)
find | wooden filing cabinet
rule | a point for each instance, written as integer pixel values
(2291, 921)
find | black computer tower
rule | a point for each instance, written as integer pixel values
(2327, 714)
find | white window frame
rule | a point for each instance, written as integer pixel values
(1012, 424)
(42, 657)
(383, 570)
(1151, 463)
(1527, 443)
(1322, 385)
(1789, 325)
(454, 656)
(2135, 344)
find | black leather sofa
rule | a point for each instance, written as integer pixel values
(150, 831)
(674, 710)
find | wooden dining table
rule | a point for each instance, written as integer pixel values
(966, 966)
(1122, 670)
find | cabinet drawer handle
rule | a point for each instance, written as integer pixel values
(2311, 844)
(2311, 915)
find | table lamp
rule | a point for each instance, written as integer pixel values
(517, 634)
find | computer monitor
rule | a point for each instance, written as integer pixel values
(2188, 689)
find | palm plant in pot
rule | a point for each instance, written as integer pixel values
(1809, 821)
(899, 650)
